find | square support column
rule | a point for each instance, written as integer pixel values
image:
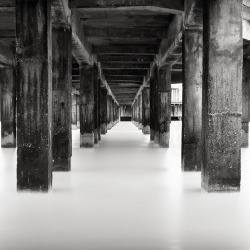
(74, 112)
(152, 111)
(245, 103)
(103, 110)
(8, 106)
(78, 104)
(222, 96)
(87, 106)
(34, 94)
(156, 107)
(146, 111)
(164, 108)
(96, 106)
(192, 100)
(62, 97)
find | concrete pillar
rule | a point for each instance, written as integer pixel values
(61, 97)
(146, 111)
(8, 106)
(87, 106)
(99, 108)
(222, 96)
(245, 103)
(103, 110)
(156, 105)
(164, 105)
(74, 112)
(152, 111)
(96, 106)
(192, 100)
(34, 94)
(140, 112)
(78, 104)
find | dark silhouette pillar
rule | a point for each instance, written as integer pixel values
(103, 110)
(156, 107)
(192, 100)
(62, 97)
(164, 105)
(146, 111)
(245, 103)
(87, 106)
(8, 106)
(152, 111)
(222, 96)
(96, 106)
(34, 94)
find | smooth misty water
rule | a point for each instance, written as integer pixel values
(126, 194)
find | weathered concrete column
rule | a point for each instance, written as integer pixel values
(74, 112)
(112, 113)
(164, 105)
(99, 108)
(78, 104)
(152, 111)
(61, 97)
(146, 111)
(34, 94)
(140, 111)
(103, 110)
(96, 134)
(245, 103)
(156, 107)
(8, 106)
(192, 100)
(222, 95)
(108, 112)
(87, 106)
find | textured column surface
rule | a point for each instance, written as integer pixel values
(86, 106)
(78, 104)
(152, 111)
(146, 111)
(74, 112)
(140, 111)
(61, 97)
(34, 94)
(164, 108)
(99, 108)
(96, 135)
(103, 110)
(108, 111)
(8, 106)
(245, 103)
(222, 95)
(156, 107)
(192, 100)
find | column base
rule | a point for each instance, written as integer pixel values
(146, 130)
(8, 141)
(244, 135)
(164, 139)
(220, 188)
(103, 129)
(96, 136)
(87, 140)
(61, 164)
(140, 126)
(191, 157)
(157, 137)
(152, 134)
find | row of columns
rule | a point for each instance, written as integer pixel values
(39, 86)
(213, 128)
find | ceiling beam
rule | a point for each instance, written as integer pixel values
(124, 72)
(126, 58)
(120, 65)
(125, 50)
(162, 6)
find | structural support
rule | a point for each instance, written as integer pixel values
(140, 111)
(103, 110)
(74, 112)
(78, 104)
(34, 94)
(152, 111)
(245, 103)
(156, 107)
(146, 111)
(164, 105)
(8, 106)
(96, 106)
(222, 96)
(192, 100)
(87, 106)
(62, 97)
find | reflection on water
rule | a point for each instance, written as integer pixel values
(126, 194)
